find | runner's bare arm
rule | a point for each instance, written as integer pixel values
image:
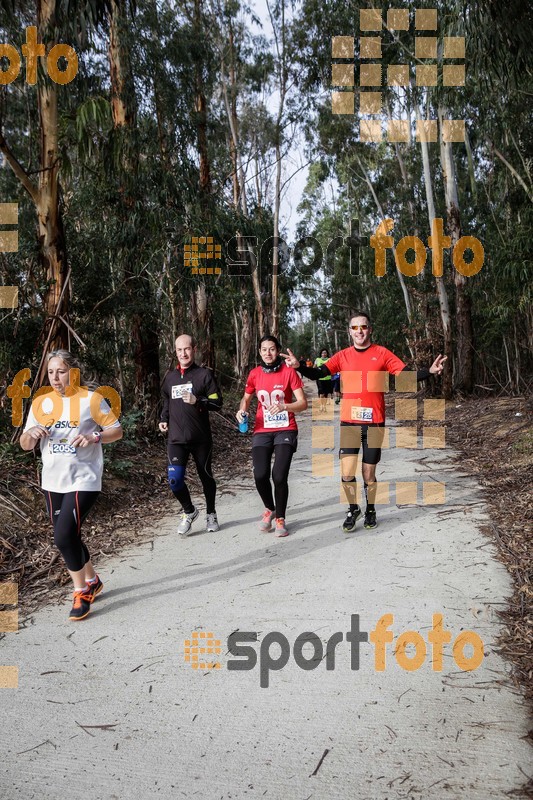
(244, 405)
(111, 434)
(29, 438)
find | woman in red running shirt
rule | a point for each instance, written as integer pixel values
(280, 395)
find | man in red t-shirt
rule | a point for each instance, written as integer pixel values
(363, 369)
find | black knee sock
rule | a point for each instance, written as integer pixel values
(370, 506)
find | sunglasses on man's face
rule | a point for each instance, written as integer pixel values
(359, 327)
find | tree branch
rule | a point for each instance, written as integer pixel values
(511, 169)
(19, 170)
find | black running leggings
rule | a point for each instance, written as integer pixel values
(178, 454)
(67, 512)
(261, 458)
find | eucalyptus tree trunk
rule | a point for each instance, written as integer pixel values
(45, 194)
(282, 71)
(202, 320)
(51, 234)
(242, 325)
(200, 299)
(440, 287)
(143, 329)
(200, 108)
(122, 92)
(242, 321)
(463, 310)
(405, 291)
(274, 314)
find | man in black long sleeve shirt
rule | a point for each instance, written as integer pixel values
(189, 392)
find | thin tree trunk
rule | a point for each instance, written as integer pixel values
(239, 191)
(171, 297)
(517, 359)
(116, 333)
(237, 361)
(511, 169)
(242, 324)
(200, 107)
(509, 376)
(143, 334)
(463, 310)
(274, 319)
(246, 340)
(282, 88)
(405, 292)
(259, 310)
(440, 287)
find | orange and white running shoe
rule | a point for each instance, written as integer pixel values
(265, 523)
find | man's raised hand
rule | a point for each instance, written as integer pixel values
(290, 359)
(438, 365)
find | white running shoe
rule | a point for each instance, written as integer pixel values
(211, 523)
(186, 522)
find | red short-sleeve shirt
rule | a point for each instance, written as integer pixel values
(270, 388)
(364, 379)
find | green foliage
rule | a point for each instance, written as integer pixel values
(129, 199)
(120, 467)
(493, 178)
(131, 423)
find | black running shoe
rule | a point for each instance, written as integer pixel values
(81, 605)
(351, 519)
(94, 588)
(370, 519)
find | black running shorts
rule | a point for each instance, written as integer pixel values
(274, 438)
(370, 437)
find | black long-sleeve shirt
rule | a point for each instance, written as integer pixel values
(188, 422)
